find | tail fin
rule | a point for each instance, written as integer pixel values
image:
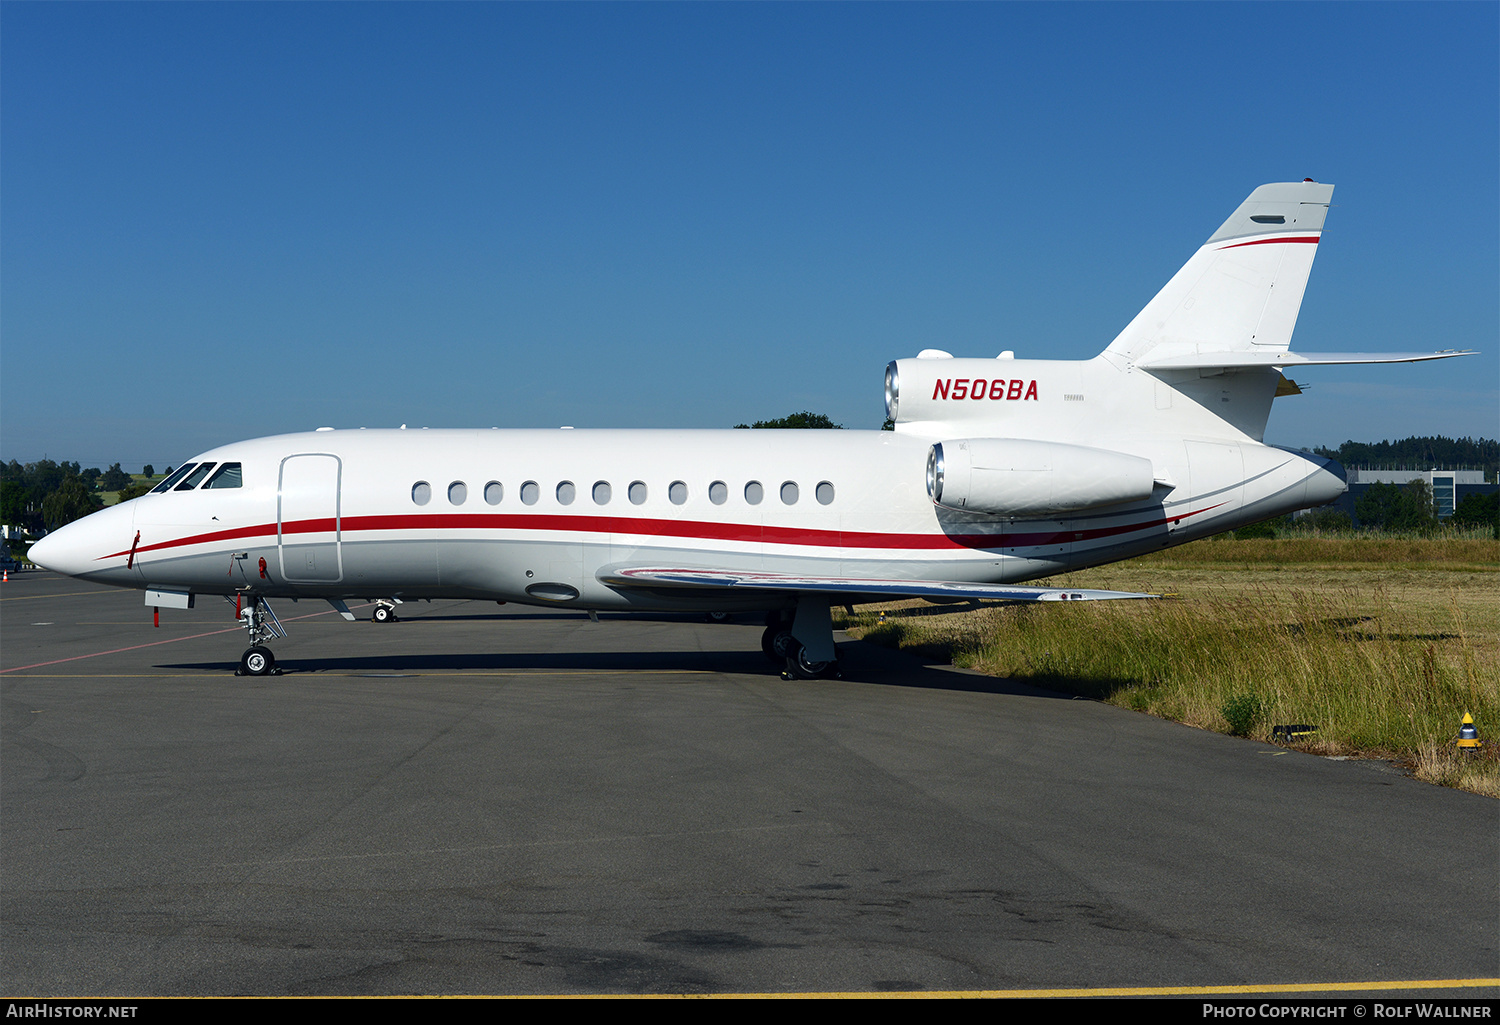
(1241, 291)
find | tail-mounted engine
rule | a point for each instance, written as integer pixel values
(1012, 477)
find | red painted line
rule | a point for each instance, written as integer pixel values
(152, 644)
(680, 529)
(1274, 241)
(218, 535)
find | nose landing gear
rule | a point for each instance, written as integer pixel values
(262, 626)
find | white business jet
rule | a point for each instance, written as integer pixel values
(998, 471)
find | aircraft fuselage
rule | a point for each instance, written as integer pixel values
(540, 516)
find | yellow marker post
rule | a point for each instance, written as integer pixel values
(1468, 736)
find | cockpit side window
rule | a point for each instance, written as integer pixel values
(167, 484)
(228, 476)
(195, 478)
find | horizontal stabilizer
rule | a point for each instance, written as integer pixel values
(1273, 358)
(871, 589)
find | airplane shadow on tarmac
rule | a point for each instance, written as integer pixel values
(860, 662)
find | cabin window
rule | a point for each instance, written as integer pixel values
(824, 493)
(637, 492)
(530, 492)
(421, 492)
(565, 493)
(718, 492)
(195, 478)
(754, 492)
(677, 492)
(789, 492)
(458, 492)
(602, 492)
(227, 477)
(171, 480)
(493, 492)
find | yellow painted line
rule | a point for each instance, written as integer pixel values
(66, 594)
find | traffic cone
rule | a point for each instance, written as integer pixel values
(1468, 736)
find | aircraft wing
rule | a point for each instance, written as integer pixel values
(867, 589)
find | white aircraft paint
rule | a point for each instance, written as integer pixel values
(999, 471)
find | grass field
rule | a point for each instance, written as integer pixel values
(1383, 645)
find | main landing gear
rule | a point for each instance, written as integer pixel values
(385, 612)
(262, 626)
(811, 655)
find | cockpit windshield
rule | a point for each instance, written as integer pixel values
(172, 479)
(191, 475)
(195, 478)
(227, 477)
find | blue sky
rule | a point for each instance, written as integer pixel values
(220, 221)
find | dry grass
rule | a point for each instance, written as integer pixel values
(1470, 551)
(1383, 656)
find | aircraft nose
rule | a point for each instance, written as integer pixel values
(78, 549)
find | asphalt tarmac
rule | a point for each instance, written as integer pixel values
(499, 800)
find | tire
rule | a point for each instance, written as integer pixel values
(777, 642)
(799, 666)
(717, 617)
(383, 614)
(257, 661)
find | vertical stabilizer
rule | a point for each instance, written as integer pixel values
(1241, 291)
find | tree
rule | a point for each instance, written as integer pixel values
(1418, 453)
(12, 503)
(135, 491)
(1397, 507)
(1477, 511)
(146, 471)
(71, 501)
(803, 420)
(114, 478)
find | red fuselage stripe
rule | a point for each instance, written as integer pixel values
(674, 529)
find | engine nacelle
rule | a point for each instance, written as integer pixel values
(1012, 477)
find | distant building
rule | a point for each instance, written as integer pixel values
(1448, 487)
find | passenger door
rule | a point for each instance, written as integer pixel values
(308, 528)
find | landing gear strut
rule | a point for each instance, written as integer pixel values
(262, 626)
(384, 612)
